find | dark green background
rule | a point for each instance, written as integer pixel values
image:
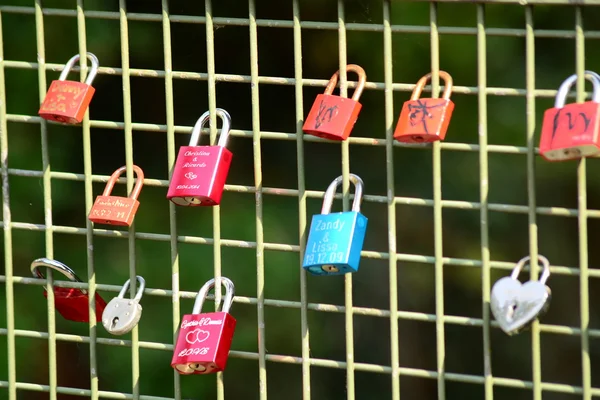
(555, 186)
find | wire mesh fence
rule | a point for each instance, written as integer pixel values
(446, 220)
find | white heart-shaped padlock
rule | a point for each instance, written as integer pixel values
(514, 305)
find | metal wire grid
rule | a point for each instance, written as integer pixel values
(537, 386)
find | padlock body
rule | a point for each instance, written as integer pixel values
(204, 340)
(570, 132)
(199, 175)
(334, 243)
(332, 117)
(424, 120)
(114, 210)
(66, 101)
(72, 304)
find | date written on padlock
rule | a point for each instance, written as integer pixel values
(204, 340)
(116, 210)
(572, 131)
(514, 305)
(71, 303)
(333, 117)
(67, 101)
(335, 240)
(200, 172)
(121, 315)
(425, 120)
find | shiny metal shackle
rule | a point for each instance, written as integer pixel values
(140, 291)
(564, 88)
(545, 264)
(71, 63)
(55, 265)
(330, 193)
(201, 296)
(204, 118)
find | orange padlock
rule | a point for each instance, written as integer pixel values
(425, 120)
(333, 117)
(115, 210)
(67, 101)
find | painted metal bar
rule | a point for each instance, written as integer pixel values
(258, 179)
(212, 105)
(89, 201)
(284, 81)
(322, 25)
(128, 134)
(47, 189)
(391, 203)
(584, 289)
(345, 145)
(483, 199)
(536, 363)
(440, 331)
(302, 218)
(171, 156)
(8, 247)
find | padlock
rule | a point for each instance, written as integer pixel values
(67, 101)
(121, 315)
(333, 117)
(204, 340)
(71, 303)
(200, 172)
(572, 131)
(116, 210)
(514, 305)
(336, 240)
(425, 120)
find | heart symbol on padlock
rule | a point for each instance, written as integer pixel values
(516, 305)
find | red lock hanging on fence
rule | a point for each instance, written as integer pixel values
(333, 117)
(200, 172)
(572, 131)
(71, 303)
(67, 101)
(204, 340)
(425, 120)
(116, 210)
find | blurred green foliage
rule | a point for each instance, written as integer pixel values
(509, 239)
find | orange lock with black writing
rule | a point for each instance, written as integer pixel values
(333, 117)
(572, 131)
(116, 210)
(425, 120)
(67, 101)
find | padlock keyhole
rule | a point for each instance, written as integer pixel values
(419, 138)
(115, 321)
(511, 310)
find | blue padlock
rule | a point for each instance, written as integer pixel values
(336, 240)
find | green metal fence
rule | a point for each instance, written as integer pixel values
(390, 258)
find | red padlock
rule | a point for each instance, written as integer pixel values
(116, 210)
(67, 101)
(571, 131)
(425, 120)
(71, 303)
(333, 117)
(204, 340)
(201, 171)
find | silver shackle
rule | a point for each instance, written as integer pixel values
(55, 265)
(525, 260)
(204, 118)
(330, 193)
(564, 88)
(71, 63)
(201, 296)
